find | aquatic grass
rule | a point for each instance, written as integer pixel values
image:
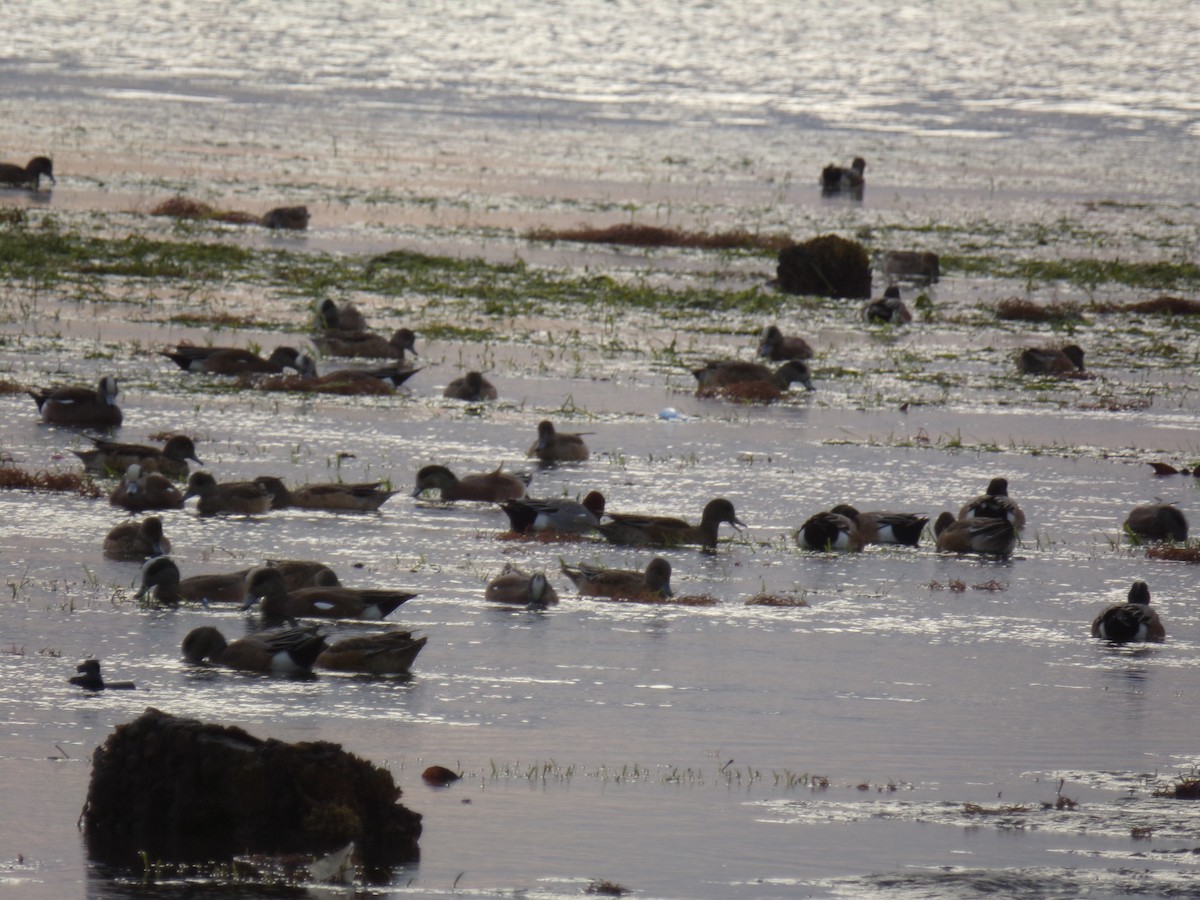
(629, 234)
(14, 478)
(1088, 274)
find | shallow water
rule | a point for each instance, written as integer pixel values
(671, 750)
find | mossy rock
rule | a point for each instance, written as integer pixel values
(180, 790)
(826, 266)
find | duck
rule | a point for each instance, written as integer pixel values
(170, 460)
(1157, 522)
(30, 174)
(562, 515)
(160, 580)
(239, 497)
(827, 531)
(236, 361)
(653, 584)
(884, 527)
(266, 586)
(1133, 620)
(472, 387)
(667, 531)
(996, 536)
(282, 650)
(341, 317)
(347, 382)
(723, 373)
(887, 310)
(488, 487)
(514, 586)
(994, 503)
(367, 344)
(230, 587)
(386, 653)
(557, 446)
(361, 497)
(137, 541)
(774, 345)
(1051, 360)
(81, 406)
(140, 491)
(836, 178)
(90, 679)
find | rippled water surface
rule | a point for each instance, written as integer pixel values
(910, 732)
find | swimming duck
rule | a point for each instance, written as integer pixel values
(887, 310)
(557, 446)
(236, 361)
(1130, 621)
(140, 491)
(348, 382)
(975, 535)
(240, 497)
(666, 531)
(515, 586)
(81, 406)
(472, 387)
(774, 345)
(12, 175)
(230, 587)
(386, 653)
(89, 678)
(266, 586)
(827, 531)
(170, 460)
(653, 584)
(561, 515)
(362, 497)
(884, 527)
(367, 344)
(1157, 522)
(489, 486)
(726, 372)
(1051, 360)
(284, 650)
(343, 317)
(137, 541)
(836, 178)
(994, 503)
(160, 579)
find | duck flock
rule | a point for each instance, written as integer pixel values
(291, 593)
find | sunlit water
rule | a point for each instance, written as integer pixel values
(671, 750)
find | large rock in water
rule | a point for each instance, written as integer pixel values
(181, 790)
(826, 266)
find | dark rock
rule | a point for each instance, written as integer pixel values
(439, 776)
(914, 264)
(181, 790)
(826, 266)
(294, 218)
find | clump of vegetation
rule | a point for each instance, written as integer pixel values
(959, 586)
(1175, 554)
(653, 236)
(775, 600)
(1186, 787)
(1175, 306)
(15, 479)
(1017, 309)
(181, 207)
(607, 888)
